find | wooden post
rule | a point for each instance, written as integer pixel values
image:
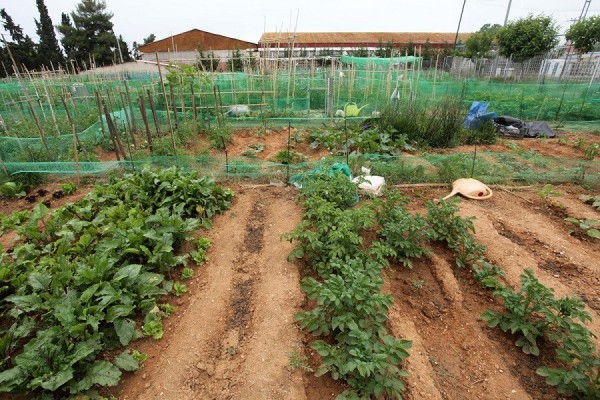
(76, 141)
(100, 112)
(114, 134)
(194, 109)
(162, 84)
(174, 105)
(131, 108)
(216, 105)
(154, 116)
(128, 122)
(145, 119)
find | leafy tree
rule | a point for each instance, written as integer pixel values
(479, 44)
(125, 53)
(149, 39)
(21, 46)
(527, 37)
(91, 33)
(585, 34)
(48, 51)
(359, 52)
(206, 61)
(409, 49)
(236, 62)
(383, 51)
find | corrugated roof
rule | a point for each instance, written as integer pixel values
(188, 41)
(353, 39)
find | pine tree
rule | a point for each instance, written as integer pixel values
(48, 51)
(124, 48)
(22, 48)
(91, 33)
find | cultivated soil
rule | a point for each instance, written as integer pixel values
(233, 335)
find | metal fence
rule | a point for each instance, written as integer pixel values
(557, 65)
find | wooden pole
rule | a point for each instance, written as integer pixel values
(76, 141)
(162, 84)
(145, 119)
(131, 108)
(154, 116)
(174, 105)
(194, 109)
(128, 121)
(114, 133)
(100, 113)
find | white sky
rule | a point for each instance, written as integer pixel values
(246, 20)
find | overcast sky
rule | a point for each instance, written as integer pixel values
(247, 20)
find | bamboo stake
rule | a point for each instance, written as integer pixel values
(145, 119)
(51, 108)
(76, 141)
(162, 84)
(131, 108)
(154, 115)
(100, 112)
(194, 109)
(216, 106)
(174, 105)
(39, 125)
(114, 133)
(128, 121)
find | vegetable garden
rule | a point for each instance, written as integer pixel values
(143, 275)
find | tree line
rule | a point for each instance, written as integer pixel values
(87, 39)
(531, 36)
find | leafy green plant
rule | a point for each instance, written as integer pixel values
(154, 329)
(219, 136)
(487, 274)
(12, 221)
(532, 312)
(444, 225)
(548, 191)
(594, 201)
(74, 289)
(179, 289)
(402, 232)
(591, 151)
(12, 190)
(336, 188)
(298, 361)
(417, 283)
(587, 225)
(187, 273)
(68, 188)
(167, 308)
(289, 157)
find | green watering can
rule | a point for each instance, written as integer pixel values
(352, 110)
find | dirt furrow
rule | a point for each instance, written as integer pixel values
(534, 241)
(188, 348)
(462, 360)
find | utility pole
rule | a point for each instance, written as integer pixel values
(507, 12)
(459, 21)
(584, 10)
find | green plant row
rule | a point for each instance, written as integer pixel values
(534, 314)
(350, 310)
(87, 279)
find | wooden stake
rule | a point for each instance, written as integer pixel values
(154, 116)
(194, 109)
(131, 108)
(145, 119)
(128, 122)
(76, 141)
(114, 133)
(174, 105)
(162, 84)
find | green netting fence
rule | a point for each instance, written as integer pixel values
(489, 167)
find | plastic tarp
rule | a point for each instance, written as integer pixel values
(539, 128)
(477, 114)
